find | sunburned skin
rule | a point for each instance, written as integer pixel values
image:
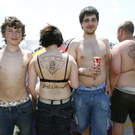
(52, 63)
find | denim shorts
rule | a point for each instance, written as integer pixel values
(20, 115)
(92, 107)
(122, 104)
(48, 115)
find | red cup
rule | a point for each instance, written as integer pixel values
(96, 61)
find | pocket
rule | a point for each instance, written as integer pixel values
(26, 108)
(67, 111)
(78, 101)
(42, 113)
(105, 101)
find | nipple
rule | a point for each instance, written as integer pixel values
(82, 57)
(23, 66)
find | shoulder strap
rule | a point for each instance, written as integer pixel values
(39, 67)
(66, 67)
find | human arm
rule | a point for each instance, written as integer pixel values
(91, 71)
(115, 67)
(73, 79)
(32, 78)
(107, 68)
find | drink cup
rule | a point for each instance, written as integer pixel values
(97, 61)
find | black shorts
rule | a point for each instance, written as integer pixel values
(122, 104)
(57, 116)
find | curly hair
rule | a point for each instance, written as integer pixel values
(50, 35)
(12, 21)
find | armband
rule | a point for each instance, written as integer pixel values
(83, 71)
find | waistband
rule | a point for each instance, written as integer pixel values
(4, 103)
(128, 90)
(81, 87)
(54, 102)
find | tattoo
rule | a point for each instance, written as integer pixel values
(54, 87)
(132, 70)
(52, 63)
(131, 53)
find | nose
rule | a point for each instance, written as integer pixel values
(14, 33)
(90, 22)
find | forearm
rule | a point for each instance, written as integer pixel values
(33, 93)
(114, 80)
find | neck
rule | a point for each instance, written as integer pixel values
(128, 37)
(12, 48)
(52, 48)
(89, 36)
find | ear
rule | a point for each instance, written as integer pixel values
(121, 32)
(81, 25)
(3, 34)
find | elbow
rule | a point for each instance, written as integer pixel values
(75, 86)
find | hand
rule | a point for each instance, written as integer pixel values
(92, 71)
(33, 104)
(108, 90)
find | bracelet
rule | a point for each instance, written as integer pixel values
(83, 71)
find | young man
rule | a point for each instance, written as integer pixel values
(123, 78)
(15, 105)
(91, 100)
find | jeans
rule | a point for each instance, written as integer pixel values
(58, 116)
(20, 115)
(92, 107)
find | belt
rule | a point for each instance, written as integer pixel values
(54, 102)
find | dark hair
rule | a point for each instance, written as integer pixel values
(127, 26)
(88, 11)
(12, 21)
(50, 35)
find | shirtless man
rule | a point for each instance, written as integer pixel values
(123, 78)
(15, 105)
(91, 99)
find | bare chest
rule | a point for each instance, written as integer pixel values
(88, 51)
(12, 65)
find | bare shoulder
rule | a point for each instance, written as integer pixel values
(103, 39)
(27, 53)
(76, 42)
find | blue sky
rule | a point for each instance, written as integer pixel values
(35, 14)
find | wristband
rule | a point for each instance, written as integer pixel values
(83, 71)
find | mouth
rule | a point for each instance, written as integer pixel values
(91, 27)
(14, 38)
